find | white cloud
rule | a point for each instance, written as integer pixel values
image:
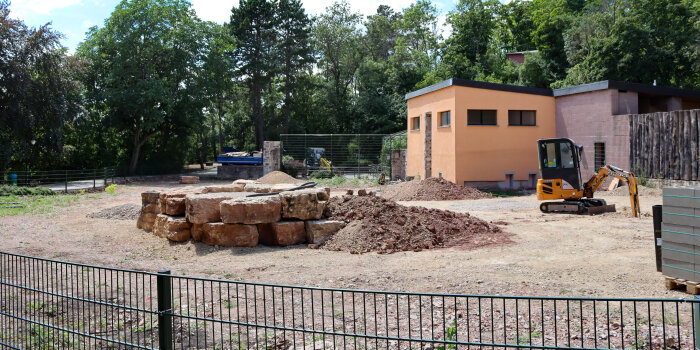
(214, 10)
(26, 9)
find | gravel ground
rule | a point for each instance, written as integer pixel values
(610, 255)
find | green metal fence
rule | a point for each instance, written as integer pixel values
(47, 304)
(61, 179)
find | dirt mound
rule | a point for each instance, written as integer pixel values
(623, 191)
(431, 189)
(382, 225)
(120, 212)
(277, 177)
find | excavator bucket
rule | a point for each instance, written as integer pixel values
(610, 208)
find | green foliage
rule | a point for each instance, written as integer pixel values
(322, 174)
(111, 189)
(24, 191)
(40, 204)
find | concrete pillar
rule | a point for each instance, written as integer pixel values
(398, 164)
(272, 156)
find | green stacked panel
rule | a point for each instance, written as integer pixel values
(680, 233)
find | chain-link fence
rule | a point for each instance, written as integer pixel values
(339, 154)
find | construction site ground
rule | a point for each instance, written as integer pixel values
(610, 255)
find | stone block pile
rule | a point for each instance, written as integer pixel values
(224, 215)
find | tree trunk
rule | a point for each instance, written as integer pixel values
(256, 102)
(213, 138)
(135, 154)
(220, 113)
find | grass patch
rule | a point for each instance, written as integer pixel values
(6, 191)
(342, 181)
(33, 205)
(504, 193)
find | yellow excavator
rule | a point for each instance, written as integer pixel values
(561, 179)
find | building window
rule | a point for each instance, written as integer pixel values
(445, 118)
(599, 155)
(415, 123)
(481, 117)
(522, 118)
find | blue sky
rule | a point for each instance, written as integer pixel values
(74, 17)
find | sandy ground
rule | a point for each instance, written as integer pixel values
(610, 255)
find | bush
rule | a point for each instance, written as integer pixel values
(25, 191)
(111, 189)
(322, 174)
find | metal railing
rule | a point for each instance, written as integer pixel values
(52, 304)
(61, 179)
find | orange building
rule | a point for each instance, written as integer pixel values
(477, 133)
(484, 134)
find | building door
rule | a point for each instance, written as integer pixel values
(428, 145)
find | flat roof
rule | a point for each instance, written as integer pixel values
(622, 85)
(479, 85)
(571, 90)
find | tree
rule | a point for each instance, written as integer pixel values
(337, 39)
(36, 93)
(218, 72)
(294, 48)
(253, 25)
(143, 63)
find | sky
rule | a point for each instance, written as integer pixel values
(74, 17)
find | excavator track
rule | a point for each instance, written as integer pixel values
(585, 206)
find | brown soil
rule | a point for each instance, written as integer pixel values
(120, 212)
(277, 177)
(624, 191)
(381, 225)
(431, 189)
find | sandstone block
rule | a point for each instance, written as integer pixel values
(189, 179)
(203, 208)
(146, 221)
(244, 182)
(228, 235)
(282, 233)
(150, 197)
(282, 187)
(257, 188)
(197, 231)
(172, 203)
(176, 229)
(251, 210)
(224, 188)
(319, 231)
(150, 208)
(304, 204)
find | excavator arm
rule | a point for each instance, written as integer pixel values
(625, 176)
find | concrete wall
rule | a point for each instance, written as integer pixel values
(495, 153)
(235, 172)
(590, 117)
(443, 142)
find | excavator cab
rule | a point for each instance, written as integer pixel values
(561, 173)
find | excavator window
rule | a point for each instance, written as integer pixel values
(558, 155)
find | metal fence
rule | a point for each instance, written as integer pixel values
(46, 304)
(60, 179)
(348, 154)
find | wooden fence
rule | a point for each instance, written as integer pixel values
(665, 145)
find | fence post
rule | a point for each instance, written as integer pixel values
(165, 304)
(94, 179)
(66, 181)
(696, 323)
(104, 176)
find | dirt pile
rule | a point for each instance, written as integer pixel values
(623, 191)
(120, 212)
(431, 189)
(277, 177)
(382, 225)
